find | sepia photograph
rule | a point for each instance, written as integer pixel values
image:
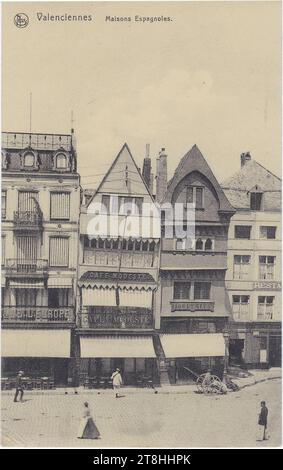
(141, 225)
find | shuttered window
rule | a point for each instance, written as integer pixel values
(28, 201)
(60, 206)
(3, 251)
(59, 251)
(26, 249)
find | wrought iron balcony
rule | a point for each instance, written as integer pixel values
(31, 266)
(38, 314)
(28, 219)
(116, 318)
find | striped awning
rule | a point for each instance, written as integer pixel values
(193, 345)
(60, 282)
(35, 343)
(26, 284)
(118, 346)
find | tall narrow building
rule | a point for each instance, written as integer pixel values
(193, 303)
(254, 265)
(40, 207)
(118, 272)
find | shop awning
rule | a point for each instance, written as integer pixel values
(60, 282)
(193, 345)
(26, 284)
(118, 346)
(35, 343)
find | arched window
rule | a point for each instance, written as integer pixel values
(208, 245)
(29, 159)
(199, 244)
(61, 161)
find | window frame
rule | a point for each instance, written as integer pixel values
(69, 205)
(240, 227)
(67, 265)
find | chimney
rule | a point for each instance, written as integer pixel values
(161, 175)
(245, 157)
(146, 169)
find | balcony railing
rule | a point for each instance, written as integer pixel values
(18, 266)
(38, 314)
(23, 140)
(192, 306)
(23, 219)
(116, 318)
(113, 258)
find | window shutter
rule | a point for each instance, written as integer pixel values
(60, 206)
(59, 251)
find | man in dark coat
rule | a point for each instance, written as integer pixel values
(19, 386)
(262, 420)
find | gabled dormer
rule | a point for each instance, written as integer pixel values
(194, 183)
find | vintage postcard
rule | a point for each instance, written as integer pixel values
(141, 225)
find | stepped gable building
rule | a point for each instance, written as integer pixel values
(253, 278)
(40, 207)
(118, 273)
(194, 307)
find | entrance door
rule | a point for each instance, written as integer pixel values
(236, 348)
(274, 351)
(61, 372)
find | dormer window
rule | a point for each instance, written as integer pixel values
(29, 160)
(256, 201)
(61, 161)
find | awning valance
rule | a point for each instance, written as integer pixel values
(118, 346)
(35, 343)
(193, 345)
(26, 284)
(115, 285)
(60, 282)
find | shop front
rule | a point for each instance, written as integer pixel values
(189, 355)
(134, 355)
(39, 353)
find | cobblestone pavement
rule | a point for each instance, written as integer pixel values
(143, 420)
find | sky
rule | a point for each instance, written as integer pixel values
(211, 76)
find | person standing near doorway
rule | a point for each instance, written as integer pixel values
(117, 382)
(19, 386)
(262, 421)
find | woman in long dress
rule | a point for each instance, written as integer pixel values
(117, 382)
(87, 428)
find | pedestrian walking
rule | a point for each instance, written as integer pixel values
(87, 428)
(262, 421)
(117, 382)
(19, 386)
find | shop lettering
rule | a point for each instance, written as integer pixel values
(37, 314)
(267, 285)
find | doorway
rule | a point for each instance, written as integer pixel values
(60, 372)
(275, 351)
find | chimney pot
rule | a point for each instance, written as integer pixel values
(245, 157)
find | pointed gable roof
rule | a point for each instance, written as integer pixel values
(195, 161)
(123, 177)
(250, 176)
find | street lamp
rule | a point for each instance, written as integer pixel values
(225, 371)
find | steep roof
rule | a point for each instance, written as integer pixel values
(193, 160)
(123, 177)
(253, 176)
